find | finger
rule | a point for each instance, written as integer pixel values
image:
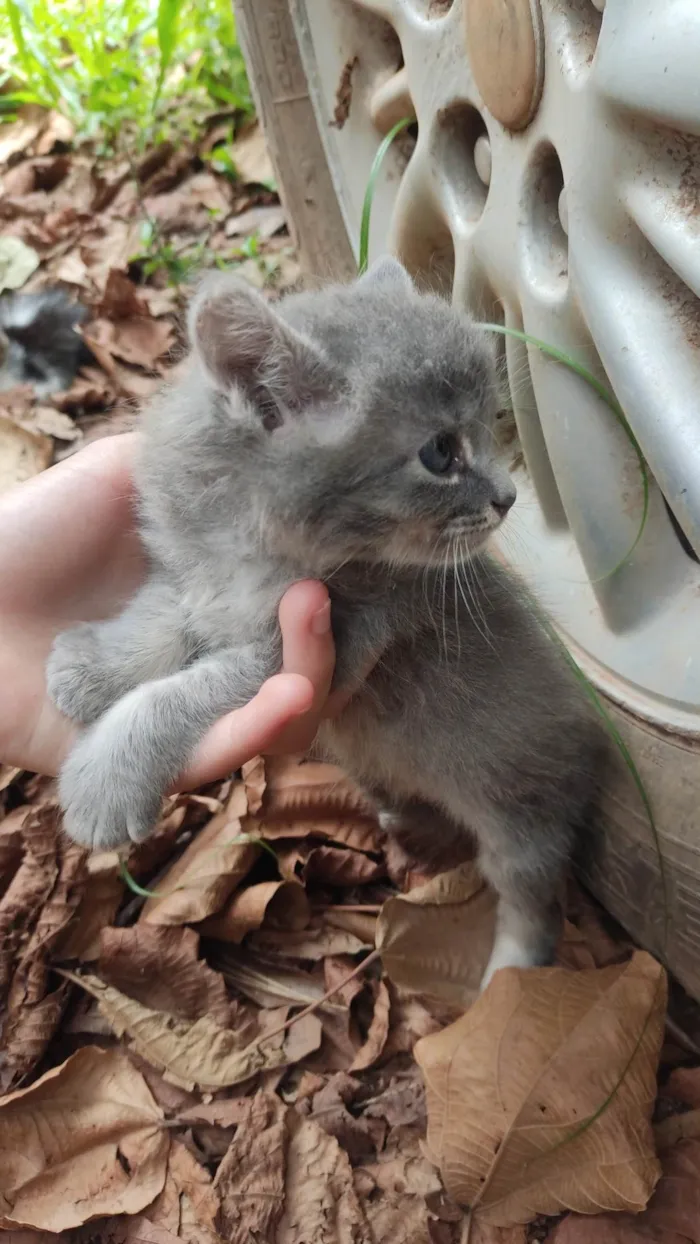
(244, 733)
(307, 649)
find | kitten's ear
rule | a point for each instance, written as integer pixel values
(241, 340)
(387, 271)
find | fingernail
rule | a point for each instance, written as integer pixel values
(321, 621)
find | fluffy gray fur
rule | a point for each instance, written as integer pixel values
(290, 449)
(39, 344)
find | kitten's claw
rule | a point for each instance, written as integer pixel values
(74, 679)
(105, 804)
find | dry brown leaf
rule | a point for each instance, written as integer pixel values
(11, 847)
(340, 866)
(320, 1202)
(683, 1084)
(84, 1141)
(89, 391)
(188, 1206)
(267, 984)
(120, 300)
(377, 1034)
(99, 903)
(250, 156)
(18, 135)
(226, 1113)
(298, 786)
(160, 967)
(8, 774)
(282, 904)
(200, 1052)
(672, 1216)
(142, 341)
(255, 781)
(360, 1137)
(511, 1084)
(52, 422)
(22, 453)
(314, 942)
(483, 1233)
(360, 924)
(394, 1188)
(36, 908)
(436, 939)
(677, 1127)
(250, 1179)
(215, 862)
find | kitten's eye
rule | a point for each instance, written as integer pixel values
(438, 454)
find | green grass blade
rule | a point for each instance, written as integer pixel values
(371, 186)
(611, 402)
(241, 839)
(166, 26)
(23, 52)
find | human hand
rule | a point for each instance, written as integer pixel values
(70, 553)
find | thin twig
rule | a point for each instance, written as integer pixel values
(313, 1006)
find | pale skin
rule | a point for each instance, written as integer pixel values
(69, 552)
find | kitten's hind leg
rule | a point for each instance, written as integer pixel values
(528, 882)
(424, 833)
(92, 665)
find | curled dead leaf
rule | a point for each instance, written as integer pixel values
(160, 967)
(298, 786)
(340, 866)
(266, 983)
(314, 942)
(35, 910)
(215, 862)
(99, 902)
(255, 780)
(84, 1141)
(200, 1052)
(378, 1032)
(540, 1097)
(22, 453)
(281, 904)
(436, 939)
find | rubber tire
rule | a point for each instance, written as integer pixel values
(658, 903)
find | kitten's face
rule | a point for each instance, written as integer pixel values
(368, 420)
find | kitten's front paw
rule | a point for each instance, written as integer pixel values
(105, 801)
(74, 679)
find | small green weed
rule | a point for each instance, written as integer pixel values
(125, 71)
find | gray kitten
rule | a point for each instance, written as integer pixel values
(345, 435)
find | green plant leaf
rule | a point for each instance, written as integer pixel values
(167, 24)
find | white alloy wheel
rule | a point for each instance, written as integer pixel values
(552, 183)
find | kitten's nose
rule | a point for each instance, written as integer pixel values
(503, 502)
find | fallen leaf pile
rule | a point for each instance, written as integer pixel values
(124, 237)
(279, 1038)
(260, 1050)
